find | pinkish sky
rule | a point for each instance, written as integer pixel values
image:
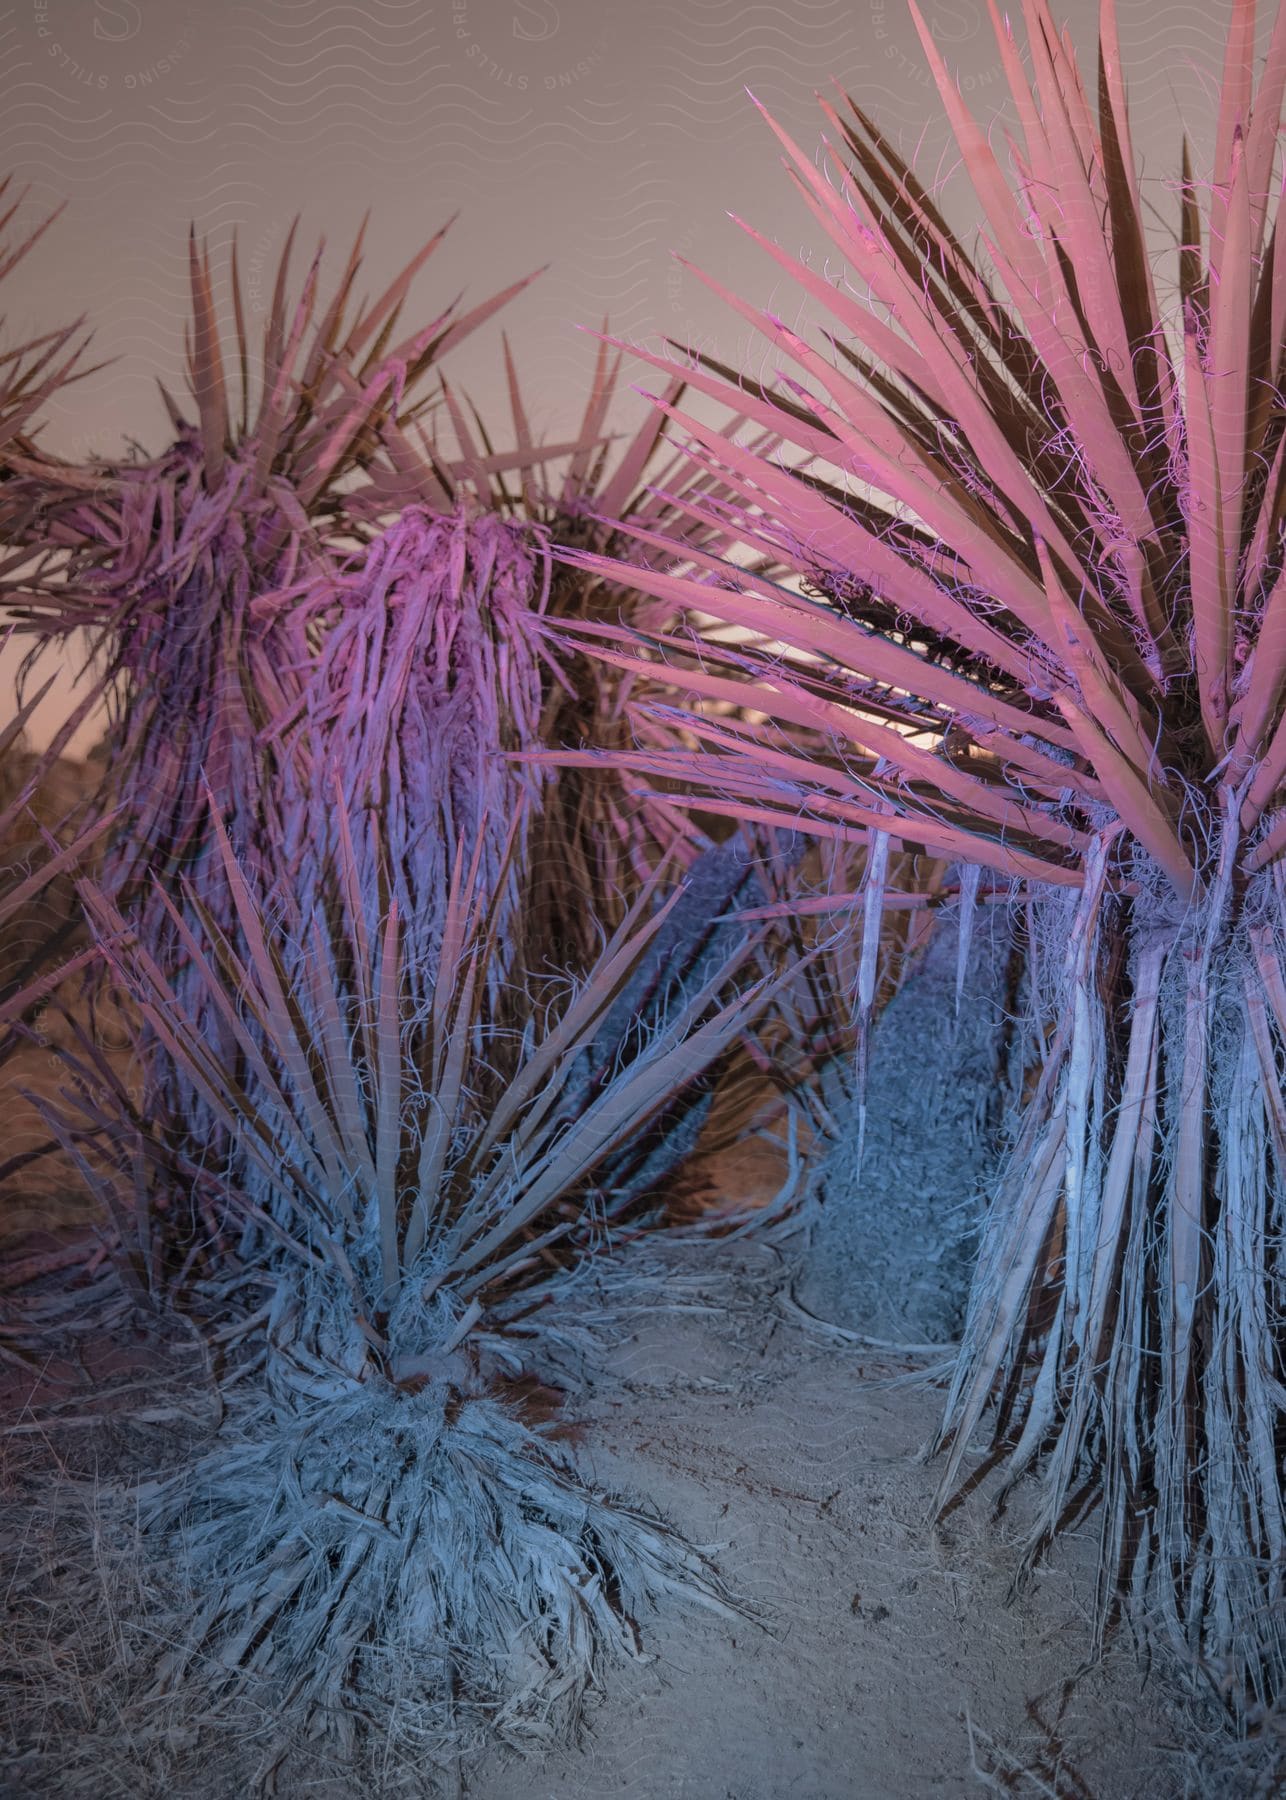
(595, 135)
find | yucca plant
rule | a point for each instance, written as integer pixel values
(1040, 531)
(167, 562)
(432, 694)
(422, 717)
(591, 844)
(417, 1165)
(31, 373)
(427, 673)
(592, 838)
(168, 558)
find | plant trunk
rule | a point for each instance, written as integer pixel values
(1126, 1319)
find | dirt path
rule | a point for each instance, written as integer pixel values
(880, 1641)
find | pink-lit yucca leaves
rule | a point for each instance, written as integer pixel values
(30, 373)
(590, 846)
(170, 555)
(168, 559)
(1019, 541)
(1051, 643)
(427, 674)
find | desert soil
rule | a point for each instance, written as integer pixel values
(881, 1659)
(887, 1660)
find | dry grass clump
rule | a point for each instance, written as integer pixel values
(408, 1546)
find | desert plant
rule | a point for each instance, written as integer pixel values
(166, 563)
(1041, 538)
(168, 558)
(31, 373)
(427, 672)
(591, 842)
(417, 1167)
(431, 697)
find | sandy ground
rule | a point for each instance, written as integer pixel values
(881, 1659)
(887, 1659)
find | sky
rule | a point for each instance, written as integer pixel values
(597, 136)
